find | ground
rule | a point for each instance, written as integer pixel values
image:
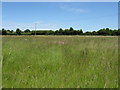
(60, 61)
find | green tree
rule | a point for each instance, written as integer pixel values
(67, 32)
(88, 33)
(60, 32)
(56, 32)
(102, 31)
(80, 32)
(27, 30)
(71, 29)
(94, 33)
(11, 31)
(4, 32)
(18, 31)
(60, 29)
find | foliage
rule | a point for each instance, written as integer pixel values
(4, 32)
(18, 31)
(71, 31)
(27, 30)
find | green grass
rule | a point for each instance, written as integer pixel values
(60, 62)
(0, 62)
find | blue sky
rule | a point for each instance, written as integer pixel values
(88, 16)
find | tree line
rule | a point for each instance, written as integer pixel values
(70, 31)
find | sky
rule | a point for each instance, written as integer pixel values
(60, 0)
(88, 16)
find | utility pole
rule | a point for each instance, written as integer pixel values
(35, 27)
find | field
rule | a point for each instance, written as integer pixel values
(60, 62)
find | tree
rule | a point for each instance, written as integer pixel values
(8, 31)
(71, 29)
(94, 33)
(75, 32)
(66, 32)
(107, 29)
(4, 32)
(0, 32)
(18, 31)
(88, 33)
(80, 32)
(27, 30)
(56, 32)
(118, 33)
(60, 32)
(60, 29)
(102, 32)
(11, 31)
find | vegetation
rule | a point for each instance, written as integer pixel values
(71, 31)
(60, 61)
(18, 31)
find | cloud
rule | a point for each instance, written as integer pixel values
(39, 25)
(73, 9)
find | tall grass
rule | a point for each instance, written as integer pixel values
(60, 62)
(0, 62)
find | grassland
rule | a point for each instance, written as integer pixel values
(60, 62)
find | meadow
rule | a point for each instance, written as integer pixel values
(60, 62)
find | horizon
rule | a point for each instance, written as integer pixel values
(54, 30)
(88, 16)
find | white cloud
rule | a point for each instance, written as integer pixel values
(72, 9)
(40, 25)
